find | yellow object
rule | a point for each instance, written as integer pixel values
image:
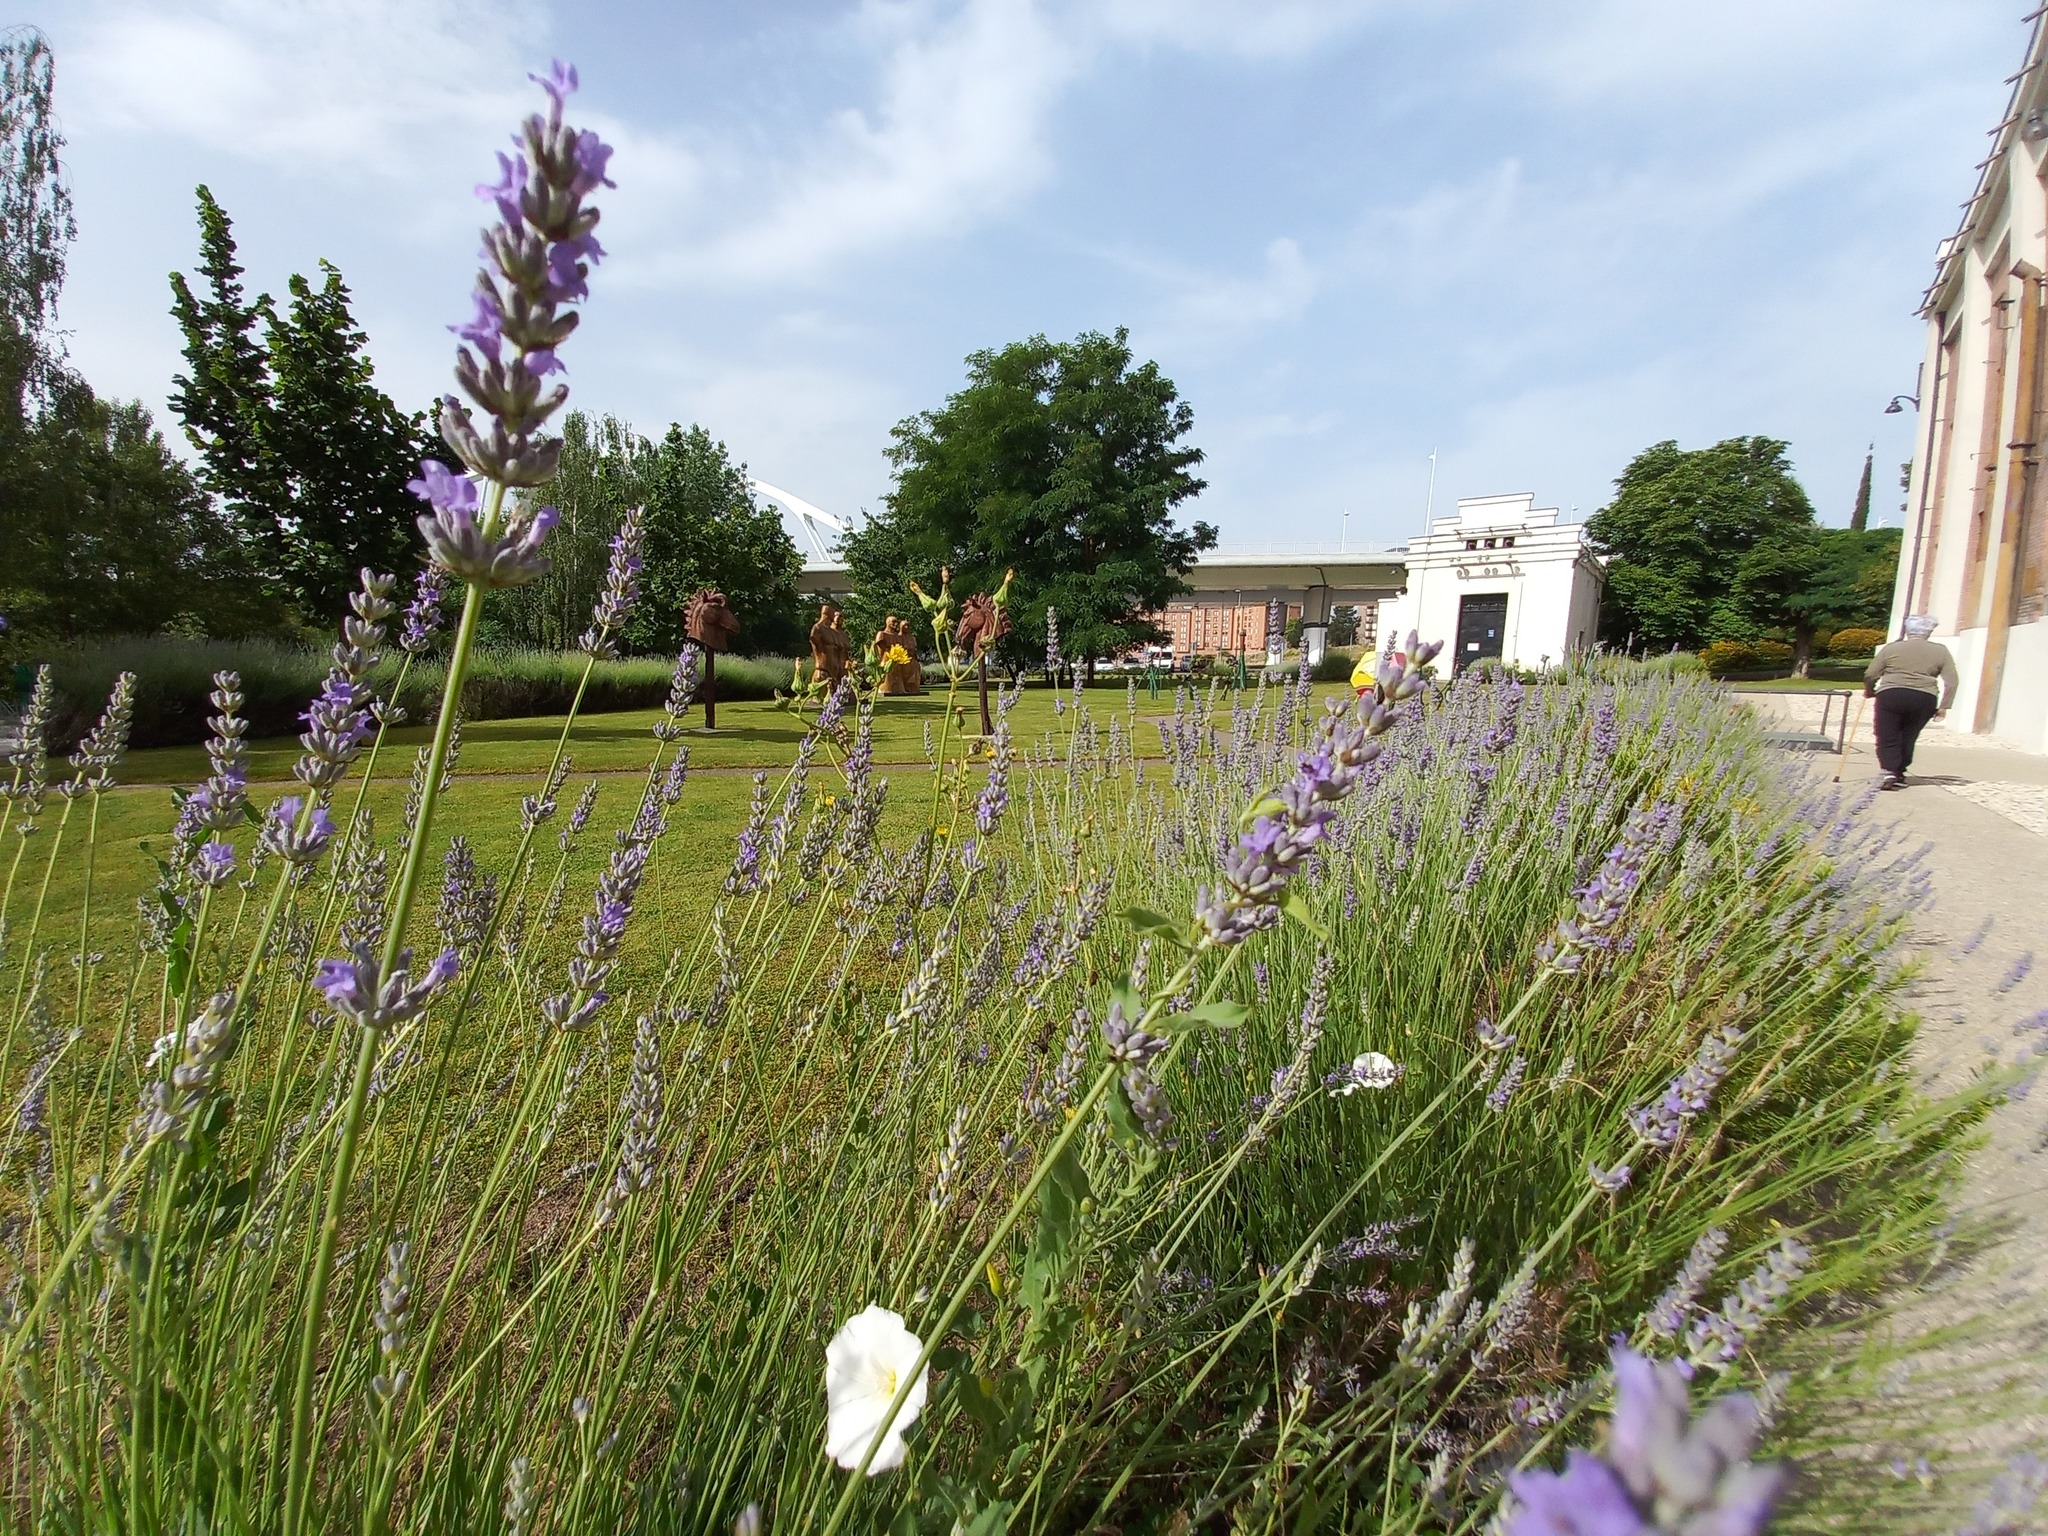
(1362, 674)
(896, 656)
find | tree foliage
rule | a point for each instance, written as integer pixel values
(36, 220)
(1676, 533)
(107, 532)
(1804, 579)
(308, 455)
(103, 529)
(704, 529)
(1061, 461)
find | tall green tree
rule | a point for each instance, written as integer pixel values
(1860, 518)
(1677, 530)
(36, 220)
(224, 398)
(1063, 461)
(310, 457)
(1804, 579)
(597, 481)
(704, 529)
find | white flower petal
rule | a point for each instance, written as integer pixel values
(865, 1365)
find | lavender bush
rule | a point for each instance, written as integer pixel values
(1271, 1133)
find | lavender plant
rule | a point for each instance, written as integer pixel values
(1083, 1138)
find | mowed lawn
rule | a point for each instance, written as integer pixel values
(749, 735)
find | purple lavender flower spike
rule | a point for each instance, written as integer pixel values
(486, 329)
(443, 488)
(621, 593)
(357, 989)
(423, 617)
(283, 835)
(1665, 1469)
(559, 82)
(216, 863)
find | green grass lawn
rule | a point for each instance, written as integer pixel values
(750, 735)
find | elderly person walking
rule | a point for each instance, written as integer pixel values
(1913, 681)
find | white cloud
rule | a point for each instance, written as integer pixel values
(332, 87)
(1202, 309)
(1268, 29)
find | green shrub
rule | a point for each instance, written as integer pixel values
(1854, 644)
(174, 676)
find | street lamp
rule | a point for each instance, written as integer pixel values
(1894, 408)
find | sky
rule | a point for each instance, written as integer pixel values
(1531, 237)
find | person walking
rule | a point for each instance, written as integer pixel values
(1913, 681)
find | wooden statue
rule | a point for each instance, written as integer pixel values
(894, 640)
(712, 624)
(831, 647)
(983, 621)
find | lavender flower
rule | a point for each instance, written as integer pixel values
(1510, 1080)
(1718, 1337)
(995, 793)
(93, 762)
(745, 874)
(359, 990)
(640, 1148)
(423, 618)
(215, 865)
(293, 833)
(621, 594)
(392, 1318)
(604, 927)
(2018, 973)
(1604, 900)
(1287, 826)
(28, 756)
(168, 1109)
(1664, 1470)
(1610, 1181)
(539, 254)
(1147, 1101)
(217, 804)
(1127, 1043)
(1688, 1095)
(952, 1158)
(1052, 643)
(1668, 1317)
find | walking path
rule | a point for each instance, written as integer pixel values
(1982, 993)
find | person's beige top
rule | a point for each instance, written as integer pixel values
(1921, 664)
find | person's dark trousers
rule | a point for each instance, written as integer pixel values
(1901, 712)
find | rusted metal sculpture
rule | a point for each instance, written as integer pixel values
(984, 620)
(712, 624)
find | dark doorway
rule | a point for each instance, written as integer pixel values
(1482, 621)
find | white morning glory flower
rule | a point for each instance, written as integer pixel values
(864, 1367)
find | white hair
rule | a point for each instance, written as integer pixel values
(1921, 625)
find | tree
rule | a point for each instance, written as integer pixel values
(1860, 518)
(597, 481)
(107, 532)
(1677, 530)
(1061, 461)
(341, 451)
(1343, 625)
(36, 221)
(309, 456)
(704, 529)
(1802, 579)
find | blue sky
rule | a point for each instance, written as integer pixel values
(1533, 236)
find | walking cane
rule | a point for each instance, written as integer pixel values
(1855, 725)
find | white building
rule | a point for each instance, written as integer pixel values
(1976, 549)
(1503, 578)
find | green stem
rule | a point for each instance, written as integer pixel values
(298, 1468)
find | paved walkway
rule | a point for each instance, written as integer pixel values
(1982, 994)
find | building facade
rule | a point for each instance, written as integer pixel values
(1975, 554)
(1502, 579)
